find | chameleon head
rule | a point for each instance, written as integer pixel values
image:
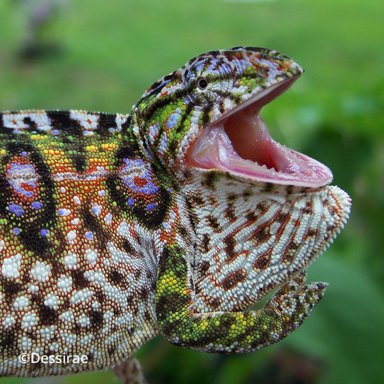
(207, 115)
(258, 204)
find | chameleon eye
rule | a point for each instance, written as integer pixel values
(202, 82)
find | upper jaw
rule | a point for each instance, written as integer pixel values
(257, 99)
(237, 141)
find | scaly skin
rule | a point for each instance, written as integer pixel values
(108, 236)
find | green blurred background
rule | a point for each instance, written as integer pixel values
(100, 55)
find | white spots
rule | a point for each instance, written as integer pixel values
(68, 338)
(81, 296)
(51, 300)
(54, 347)
(123, 229)
(84, 320)
(41, 271)
(77, 200)
(114, 293)
(71, 260)
(59, 336)
(88, 121)
(42, 121)
(16, 121)
(117, 255)
(71, 236)
(108, 315)
(120, 121)
(166, 226)
(25, 344)
(48, 332)
(96, 209)
(29, 320)
(75, 221)
(11, 266)
(95, 276)
(112, 339)
(64, 283)
(33, 288)
(101, 193)
(67, 316)
(63, 190)
(86, 340)
(21, 302)
(108, 218)
(125, 319)
(8, 321)
(2, 243)
(91, 256)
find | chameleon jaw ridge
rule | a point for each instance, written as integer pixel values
(239, 143)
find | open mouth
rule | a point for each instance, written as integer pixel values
(239, 143)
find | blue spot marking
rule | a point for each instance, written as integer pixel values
(145, 173)
(16, 183)
(172, 120)
(17, 210)
(151, 206)
(44, 232)
(89, 235)
(16, 231)
(131, 201)
(37, 205)
(96, 210)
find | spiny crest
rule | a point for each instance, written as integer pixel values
(62, 123)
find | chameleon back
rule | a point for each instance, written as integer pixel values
(77, 263)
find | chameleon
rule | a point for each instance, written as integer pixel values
(183, 218)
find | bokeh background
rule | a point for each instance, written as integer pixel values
(99, 55)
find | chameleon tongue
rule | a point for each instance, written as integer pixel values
(251, 140)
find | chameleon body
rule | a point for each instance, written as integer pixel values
(114, 228)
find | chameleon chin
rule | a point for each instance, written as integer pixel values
(174, 219)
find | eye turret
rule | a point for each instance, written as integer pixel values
(208, 80)
(202, 83)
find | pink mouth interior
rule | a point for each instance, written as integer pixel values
(240, 143)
